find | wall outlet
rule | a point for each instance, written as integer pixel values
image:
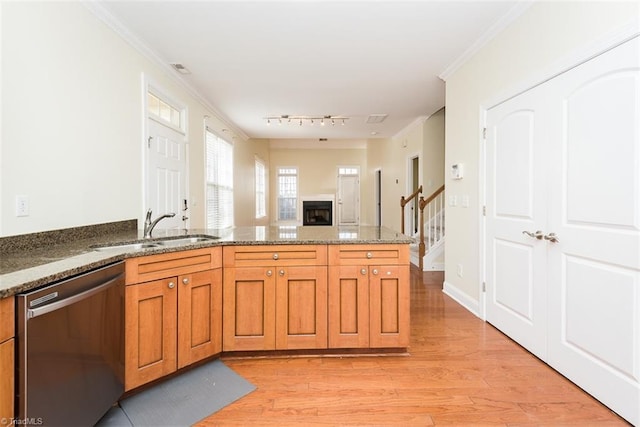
(22, 205)
(459, 270)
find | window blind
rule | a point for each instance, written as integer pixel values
(219, 177)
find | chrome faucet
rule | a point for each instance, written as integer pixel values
(149, 225)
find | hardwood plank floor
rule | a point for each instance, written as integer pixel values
(460, 371)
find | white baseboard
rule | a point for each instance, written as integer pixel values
(461, 298)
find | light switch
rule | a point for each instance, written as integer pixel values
(465, 201)
(453, 200)
(22, 205)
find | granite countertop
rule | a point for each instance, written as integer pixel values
(34, 260)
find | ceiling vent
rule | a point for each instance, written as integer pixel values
(376, 118)
(180, 68)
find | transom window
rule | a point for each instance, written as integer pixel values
(164, 112)
(348, 171)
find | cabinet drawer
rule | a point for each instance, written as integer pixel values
(7, 327)
(154, 267)
(368, 254)
(274, 255)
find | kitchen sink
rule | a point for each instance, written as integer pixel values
(169, 242)
(181, 241)
(127, 247)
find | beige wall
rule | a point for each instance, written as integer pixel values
(317, 171)
(244, 156)
(545, 34)
(423, 138)
(433, 150)
(71, 137)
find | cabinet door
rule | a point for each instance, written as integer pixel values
(7, 365)
(301, 308)
(389, 306)
(150, 334)
(199, 316)
(7, 361)
(249, 308)
(348, 306)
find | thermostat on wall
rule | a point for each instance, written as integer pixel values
(457, 171)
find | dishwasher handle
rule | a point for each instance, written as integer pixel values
(35, 312)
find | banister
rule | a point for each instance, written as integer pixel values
(422, 204)
(403, 202)
(425, 202)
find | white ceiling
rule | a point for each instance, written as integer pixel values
(253, 59)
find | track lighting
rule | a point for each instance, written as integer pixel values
(311, 120)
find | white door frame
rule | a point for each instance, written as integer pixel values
(408, 217)
(377, 196)
(570, 60)
(148, 85)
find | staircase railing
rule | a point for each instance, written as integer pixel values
(403, 202)
(434, 205)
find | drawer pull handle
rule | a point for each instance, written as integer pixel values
(171, 285)
(185, 280)
(275, 256)
(281, 272)
(369, 255)
(269, 273)
(363, 271)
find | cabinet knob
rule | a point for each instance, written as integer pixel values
(171, 285)
(363, 271)
(185, 280)
(269, 273)
(275, 256)
(375, 271)
(281, 272)
(369, 255)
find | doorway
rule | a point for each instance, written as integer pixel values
(377, 184)
(348, 195)
(166, 160)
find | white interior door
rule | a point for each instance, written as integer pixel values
(594, 268)
(516, 300)
(348, 199)
(166, 174)
(564, 158)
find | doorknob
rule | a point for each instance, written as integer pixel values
(538, 234)
(552, 237)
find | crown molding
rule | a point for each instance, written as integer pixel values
(97, 8)
(409, 128)
(502, 23)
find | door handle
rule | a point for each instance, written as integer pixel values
(552, 237)
(538, 234)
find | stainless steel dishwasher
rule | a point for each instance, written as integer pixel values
(71, 349)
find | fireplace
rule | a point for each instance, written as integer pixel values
(317, 212)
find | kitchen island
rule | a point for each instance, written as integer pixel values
(246, 290)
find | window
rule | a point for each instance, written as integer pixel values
(219, 181)
(163, 111)
(261, 189)
(348, 171)
(287, 194)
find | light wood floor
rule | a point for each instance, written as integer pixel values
(460, 371)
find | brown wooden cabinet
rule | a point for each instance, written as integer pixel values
(275, 297)
(7, 358)
(171, 322)
(368, 296)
